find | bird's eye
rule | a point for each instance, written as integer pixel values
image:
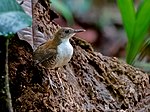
(66, 31)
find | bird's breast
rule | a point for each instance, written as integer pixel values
(64, 53)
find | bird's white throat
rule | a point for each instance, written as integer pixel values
(64, 52)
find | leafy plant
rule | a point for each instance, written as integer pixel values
(136, 24)
(12, 19)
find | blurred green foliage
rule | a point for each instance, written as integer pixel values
(64, 10)
(78, 6)
(12, 17)
(136, 24)
(68, 7)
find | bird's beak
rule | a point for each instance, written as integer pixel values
(79, 30)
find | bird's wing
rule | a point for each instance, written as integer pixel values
(41, 55)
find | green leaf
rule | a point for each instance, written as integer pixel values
(128, 16)
(141, 28)
(136, 25)
(12, 17)
(11, 22)
(64, 10)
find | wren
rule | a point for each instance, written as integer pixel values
(57, 52)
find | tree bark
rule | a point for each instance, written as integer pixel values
(92, 82)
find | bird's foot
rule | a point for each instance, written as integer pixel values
(61, 84)
(48, 82)
(51, 84)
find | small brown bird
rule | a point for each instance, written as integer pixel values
(58, 51)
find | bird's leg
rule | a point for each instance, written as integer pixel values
(51, 84)
(61, 84)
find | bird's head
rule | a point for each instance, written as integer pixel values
(65, 33)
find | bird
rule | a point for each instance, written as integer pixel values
(58, 51)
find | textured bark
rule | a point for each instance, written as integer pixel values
(92, 82)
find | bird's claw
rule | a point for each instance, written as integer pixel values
(51, 84)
